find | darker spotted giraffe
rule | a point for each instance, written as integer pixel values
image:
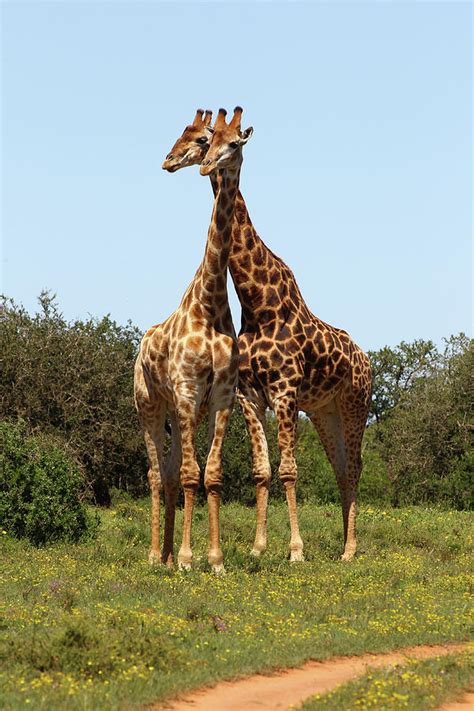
(289, 360)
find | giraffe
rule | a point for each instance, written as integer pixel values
(188, 365)
(289, 360)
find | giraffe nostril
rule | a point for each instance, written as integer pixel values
(169, 156)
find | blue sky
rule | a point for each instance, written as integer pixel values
(359, 172)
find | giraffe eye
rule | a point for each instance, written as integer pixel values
(233, 144)
(201, 140)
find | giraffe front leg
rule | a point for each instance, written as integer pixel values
(189, 473)
(218, 420)
(254, 414)
(286, 412)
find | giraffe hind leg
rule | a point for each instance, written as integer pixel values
(353, 408)
(329, 425)
(153, 421)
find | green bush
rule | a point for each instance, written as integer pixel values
(426, 439)
(75, 380)
(375, 486)
(40, 489)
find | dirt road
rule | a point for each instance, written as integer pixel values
(291, 687)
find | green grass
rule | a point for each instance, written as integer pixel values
(415, 685)
(92, 626)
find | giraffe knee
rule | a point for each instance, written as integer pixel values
(288, 470)
(213, 479)
(190, 477)
(154, 480)
(288, 476)
(262, 477)
(213, 487)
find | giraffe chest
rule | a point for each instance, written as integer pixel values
(203, 355)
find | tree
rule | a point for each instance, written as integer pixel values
(75, 379)
(396, 370)
(427, 437)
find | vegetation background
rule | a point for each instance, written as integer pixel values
(91, 625)
(69, 383)
(88, 624)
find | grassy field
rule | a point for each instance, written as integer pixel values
(415, 685)
(92, 626)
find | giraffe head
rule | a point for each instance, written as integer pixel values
(191, 147)
(225, 148)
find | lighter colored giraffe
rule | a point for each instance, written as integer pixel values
(188, 366)
(289, 360)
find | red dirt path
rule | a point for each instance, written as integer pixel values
(291, 687)
(464, 703)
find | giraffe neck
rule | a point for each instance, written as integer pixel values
(261, 279)
(211, 279)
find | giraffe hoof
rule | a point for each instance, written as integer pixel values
(218, 569)
(296, 556)
(256, 553)
(349, 555)
(184, 565)
(154, 558)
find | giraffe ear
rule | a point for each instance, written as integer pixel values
(245, 135)
(209, 129)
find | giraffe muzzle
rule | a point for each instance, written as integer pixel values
(207, 167)
(169, 164)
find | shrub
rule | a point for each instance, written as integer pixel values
(396, 370)
(426, 440)
(75, 380)
(40, 489)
